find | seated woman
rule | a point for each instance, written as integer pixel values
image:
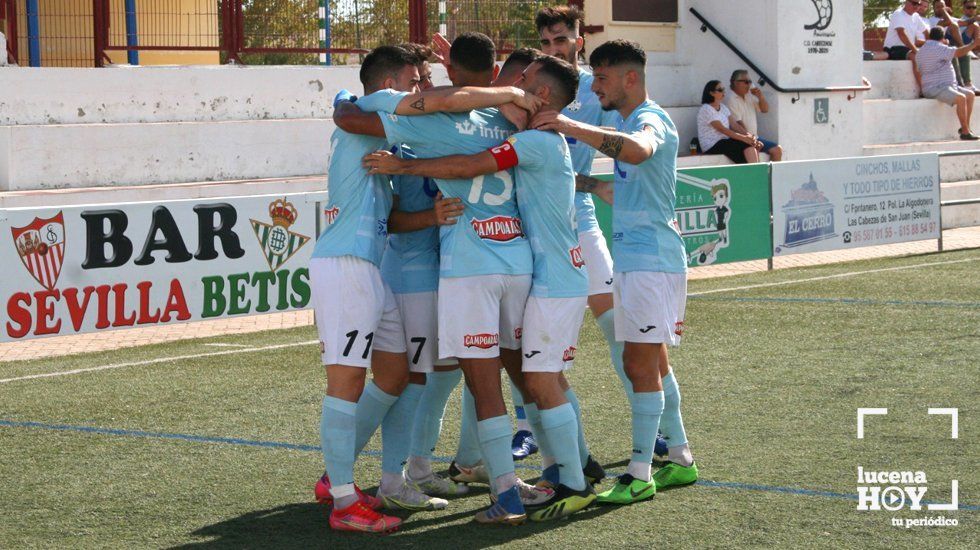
(715, 133)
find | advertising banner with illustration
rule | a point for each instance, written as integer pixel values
(849, 203)
(722, 212)
(80, 269)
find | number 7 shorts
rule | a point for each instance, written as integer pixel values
(420, 332)
(479, 315)
(352, 306)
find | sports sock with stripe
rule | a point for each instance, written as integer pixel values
(560, 428)
(337, 443)
(427, 424)
(494, 436)
(672, 425)
(371, 410)
(647, 407)
(468, 451)
(583, 447)
(606, 323)
(396, 429)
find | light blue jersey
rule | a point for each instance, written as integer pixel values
(586, 108)
(488, 238)
(546, 198)
(357, 203)
(411, 261)
(645, 237)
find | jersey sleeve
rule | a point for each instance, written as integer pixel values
(530, 147)
(652, 129)
(383, 100)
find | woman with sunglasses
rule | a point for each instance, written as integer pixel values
(716, 128)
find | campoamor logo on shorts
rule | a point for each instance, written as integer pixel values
(278, 243)
(576, 255)
(41, 247)
(893, 491)
(498, 228)
(482, 341)
(569, 354)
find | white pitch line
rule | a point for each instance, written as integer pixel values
(837, 276)
(221, 345)
(155, 361)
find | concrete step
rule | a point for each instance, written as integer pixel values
(171, 94)
(894, 79)
(96, 155)
(952, 169)
(171, 191)
(966, 215)
(910, 120)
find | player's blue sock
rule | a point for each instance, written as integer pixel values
(371, 410)
(468, 452)
(337, 439)
(494, 436)
(560, 426)
(647, 407)
(671, 423)
(607, 325)
(583, 447)
(396, 429)
(519, 413)
(432, 407)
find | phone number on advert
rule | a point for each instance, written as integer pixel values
(904, 230)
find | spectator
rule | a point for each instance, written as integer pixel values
(906, 31)
(744, 101)
(939, 80)
(715, 133)
(969, 30)
(943, 17)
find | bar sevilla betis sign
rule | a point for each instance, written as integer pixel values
(80, 269)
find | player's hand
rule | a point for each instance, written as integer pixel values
(551, 120)
(517, 116)
(382, 162)
(343, 95)
(756, 91)
(447, 211)
(529, 102)
(440, 47)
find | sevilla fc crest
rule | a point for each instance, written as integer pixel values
(41, 246)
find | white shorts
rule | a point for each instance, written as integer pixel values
(649, 307)
(481, 314)
(598, 262)
(352, 306)
(421, 335)
(551, 327)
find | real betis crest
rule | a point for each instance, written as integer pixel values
(278, 243)
(703, 216)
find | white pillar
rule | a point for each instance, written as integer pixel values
(3, 50)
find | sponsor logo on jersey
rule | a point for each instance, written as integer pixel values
(482, 341)
(498, 228)
(331, 214)
(576, 254)
(41, 247)
(466, 128)
(569, 354)
(574, 106)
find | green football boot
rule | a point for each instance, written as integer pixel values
(627, 490)
(565, 502)
(675, 475)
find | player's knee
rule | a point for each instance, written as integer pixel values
(392, 382)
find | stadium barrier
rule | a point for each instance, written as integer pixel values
(101, 267)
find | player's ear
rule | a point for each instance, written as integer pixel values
(543, 91)
(389, 83)
(496, 72)
(579, 44)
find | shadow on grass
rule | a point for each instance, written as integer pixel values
(305, 526)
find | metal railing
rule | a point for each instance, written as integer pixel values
(956, 202)
(764, 78)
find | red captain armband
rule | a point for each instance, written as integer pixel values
(505, 155)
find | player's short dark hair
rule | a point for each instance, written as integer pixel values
(520, 58)
(473, 51)
(384, 62)
(420, 51)
(563, 77)
(571, 16)
(937, 33)
(618, 52)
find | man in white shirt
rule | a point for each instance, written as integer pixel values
(744, 101)
(939, 80)
(906, 31)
